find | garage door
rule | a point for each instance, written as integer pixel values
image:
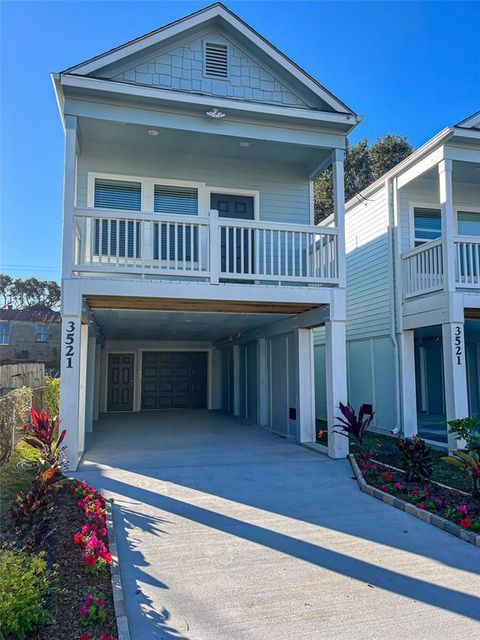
(174, 380)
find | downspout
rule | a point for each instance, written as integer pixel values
(393, 297)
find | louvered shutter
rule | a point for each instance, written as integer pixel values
(118, 194)
(216, 60)
(177, 201)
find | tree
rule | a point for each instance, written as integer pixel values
(363, 165)
(26, 292)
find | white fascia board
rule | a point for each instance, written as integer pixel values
(471, 121)
(184, 99)
(197, 19)
(414, 157)
(468, 134)
(59, 97)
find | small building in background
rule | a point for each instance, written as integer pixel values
(30, 335)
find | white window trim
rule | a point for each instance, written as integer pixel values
(42, 324)
(420, 205)
(7, 324)
(237, 192)
(467, 209)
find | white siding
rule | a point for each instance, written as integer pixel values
(368, 268)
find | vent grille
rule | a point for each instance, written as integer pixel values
(216, 60)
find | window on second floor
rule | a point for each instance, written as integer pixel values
(468, 223)
(118, 194)
(4, 333)
(41, 332)
(427, 225)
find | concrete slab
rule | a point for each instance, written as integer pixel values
(227, 532)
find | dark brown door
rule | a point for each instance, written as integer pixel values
(174, 380)
(120, 382)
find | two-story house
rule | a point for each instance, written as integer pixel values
(193, 274)
(413, 288)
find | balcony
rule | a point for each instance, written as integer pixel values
(423, 267)
(203, 248)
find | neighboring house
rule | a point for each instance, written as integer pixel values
(413, 288)
(30, 335)
(192, 273)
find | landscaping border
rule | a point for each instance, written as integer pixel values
(398, 503)
(123, 631)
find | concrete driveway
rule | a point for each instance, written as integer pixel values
(227, 532)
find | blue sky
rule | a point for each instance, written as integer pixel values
(408, 67)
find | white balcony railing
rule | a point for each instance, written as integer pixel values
(209, 248)
(423, 269)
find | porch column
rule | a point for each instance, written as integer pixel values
(408, 394)
(336, 378)
(339, 212)
(448, 223)
(455, 374)
(262, 383)
(72, 386)
(97, 384)
(90, 382)
(236, 379)
(69, 186)
(306, 386)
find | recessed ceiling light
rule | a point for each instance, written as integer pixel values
(244, 143)
(152, 132)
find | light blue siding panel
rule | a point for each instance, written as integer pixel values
(284, 194)
(251, 382)
(384, 382)
(360, 373)
(320, 382)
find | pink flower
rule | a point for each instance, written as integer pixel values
(103, 532)
(89, 599)
(462, 508)
(421, 505)
(101, 602)
(83, 610)
(398, 485)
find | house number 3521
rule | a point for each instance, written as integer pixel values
(458, 344)
(70, 343)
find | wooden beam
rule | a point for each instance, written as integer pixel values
(212, 306)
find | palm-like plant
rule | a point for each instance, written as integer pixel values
(42, 433)
(352, 425)
(469, 463)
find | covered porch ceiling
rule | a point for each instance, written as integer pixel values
(128, 138)
(143, 325)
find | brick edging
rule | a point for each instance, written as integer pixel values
(123, 632)
(398, 503)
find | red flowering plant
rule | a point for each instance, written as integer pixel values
(101, 636)
(92, 610)
(43, 433)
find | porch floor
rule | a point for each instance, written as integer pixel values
(227, 531)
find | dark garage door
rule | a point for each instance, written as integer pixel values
(174, 380)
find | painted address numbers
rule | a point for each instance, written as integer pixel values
(70, 343)
(458, 344)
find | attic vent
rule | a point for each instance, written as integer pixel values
(216, 60)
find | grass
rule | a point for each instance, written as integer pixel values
(15, 475)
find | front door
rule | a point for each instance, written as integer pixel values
(120, 382)
(238, 207)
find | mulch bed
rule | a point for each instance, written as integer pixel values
(446, 502)
(55, 536)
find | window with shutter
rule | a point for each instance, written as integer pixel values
(121, 236)
(427, 225)
(175, 200)
(216, 60)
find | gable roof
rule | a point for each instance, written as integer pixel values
(36, 313)
(216, 11)
(472, 122)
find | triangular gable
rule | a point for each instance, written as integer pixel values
(472, 122)
(169, 58)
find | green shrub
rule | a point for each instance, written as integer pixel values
(25, 583)
(467, 429)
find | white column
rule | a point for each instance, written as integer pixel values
(215, 392)
(214, 247)
(90, 382)
(70, 385)
(236, 380)
(408, 390)
(336, 378)
(82, 394)
(306, 431)
(455, 374)
(262, 383)
(69, 186)
(448, 222)
(339, 211)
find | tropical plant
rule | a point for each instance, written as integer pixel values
(42, 433)
(92, 610)
(30, 506)
(467, 429)
(25, 584)
(352, 425)
(469, 463)
(416, 458)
